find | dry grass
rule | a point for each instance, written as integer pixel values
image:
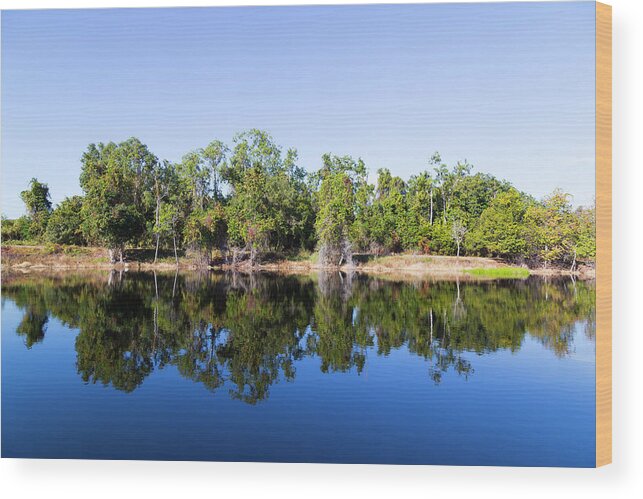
(27, 258)
(436, 262)
(59, 257)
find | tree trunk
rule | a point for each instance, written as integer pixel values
(176, 256)
(253, 255)
(458, 254)
(112, 258)
(573, 262)
(156, 251)
(223, 249)
(431, 216)
(157, 218)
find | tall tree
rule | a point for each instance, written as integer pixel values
(389, 217)
(165, 189)
(585, 234)
(500, 231)
(38, 203)
(214, 157)
(550, 228)
(458, 231)
(420, 195)
(252, 149)
(117, 181)
(340, 178)
(270, 206)
(194, 176)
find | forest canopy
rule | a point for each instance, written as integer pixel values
(251, 198)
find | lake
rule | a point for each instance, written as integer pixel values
(332, 367)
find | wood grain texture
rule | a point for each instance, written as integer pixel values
(603, 234)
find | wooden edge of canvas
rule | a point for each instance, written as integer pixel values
(603, 234)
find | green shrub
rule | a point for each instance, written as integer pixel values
(16, 230)
(65, 223)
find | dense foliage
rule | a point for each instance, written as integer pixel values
(253, 199)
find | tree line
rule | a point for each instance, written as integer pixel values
(251, 199)
(245, 332)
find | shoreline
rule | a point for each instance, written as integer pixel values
(27, 259)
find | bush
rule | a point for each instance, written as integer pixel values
(65, 222)
(15, 230)
(441, 240)
(52, 249)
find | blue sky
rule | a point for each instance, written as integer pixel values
(507, 86)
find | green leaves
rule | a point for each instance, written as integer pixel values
(342, 184)
(550, 228)
(254, 199)
(271, 205)
(117, 180)
(38, 204)
(36, 198)
(65, 222)
(501, 229)
(205, 228)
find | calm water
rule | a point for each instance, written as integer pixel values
(332, 368)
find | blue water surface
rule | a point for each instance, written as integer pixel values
(529, 405)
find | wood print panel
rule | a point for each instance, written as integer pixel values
(603, 234)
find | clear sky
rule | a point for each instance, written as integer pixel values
(507, 86)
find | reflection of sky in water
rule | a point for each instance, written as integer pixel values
(526, 407)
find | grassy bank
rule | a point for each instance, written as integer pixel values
(500, 273)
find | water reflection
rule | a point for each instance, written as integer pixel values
(242, 333)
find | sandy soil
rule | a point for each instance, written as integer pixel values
(37, 258)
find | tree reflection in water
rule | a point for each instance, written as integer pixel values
(246, 332)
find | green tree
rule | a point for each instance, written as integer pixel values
(15, 230)
(165, 191)
(38, 203)
(340, 179)
(65, 223)
(389, 213)
(458, 232)
(194, 177)
(251, 214)
(214, 157)
(252, 149)
(585, 233)
(449, 181)
(419, 223)
(255, 200)
(117, 180)
(168, 225)
(270, 207)
(206, 230)
(500, 230)
(550, 228)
